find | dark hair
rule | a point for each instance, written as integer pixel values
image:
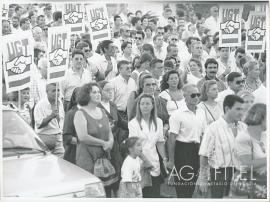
(240, 50)
(40, 16)
(164, 82)
(105, 45)
(57, 15)
(215, 40)
(189, 40)
(130, 13)
(232, 76)
(154, 21)
(23, 20)
(142, 80)
(30, 14)
(168, 28)
(17, 8)
(128, 143)
(168, 63)
(73, 99)
(230, 100)
(85, 41)
(134, 20)
(77, 51)
(133, 62)
(160, 27)
(81, 45)
(138, 11)
(205, 39)
(124, 45)
(171, 18)
(84, 94)
(140, 32)
(120, 63)
(115, 17)
(210, 61)
(102, 83)
(148, 47)
(154, 61)
(256, 114)
(199, 16)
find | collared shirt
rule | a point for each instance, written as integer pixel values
(150, 139)
(42, 110)
(218, 143)
(161, 53)
(222, 66)
(188, 126)
(260, 95)
(212, 24)
(102, 64)
(122, 57)
(37, 89)
(250, 88)
(72, 81)
(122, 90)
(220, 84)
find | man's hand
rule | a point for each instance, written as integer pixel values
(169, 165)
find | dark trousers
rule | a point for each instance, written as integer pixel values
(186, 160)
(154, 190)
(220, 181)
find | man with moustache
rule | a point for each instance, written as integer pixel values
(211, 69)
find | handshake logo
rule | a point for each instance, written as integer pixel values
(98, 24)
(19, 64)
(73, 17)
(58, 56)
(256, 33)
(229, 26)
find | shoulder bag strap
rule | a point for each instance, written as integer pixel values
(209, 111)
(172, 98)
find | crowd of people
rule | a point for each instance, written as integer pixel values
(160, 100)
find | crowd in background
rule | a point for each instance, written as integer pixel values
(160, 96)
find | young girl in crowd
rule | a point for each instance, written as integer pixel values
(130, 186)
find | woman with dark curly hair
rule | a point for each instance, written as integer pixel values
(171, 85)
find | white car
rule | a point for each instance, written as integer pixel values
(30, 170)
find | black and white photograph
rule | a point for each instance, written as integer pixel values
(135, 99)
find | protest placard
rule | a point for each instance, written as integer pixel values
(58, 54)
(73, 17)
(256, 32)
(98, 22)
(230, 25)
(18, 58)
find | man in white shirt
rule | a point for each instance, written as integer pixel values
(212, 22)
(235, 83)
(15, 28)
(186, 128)
(159, 47)
(224, 63)
(49, 118)
(239, 53)
(106, 65)
(25, 24)
(126, 48)
(261, 93)
(217, 148)
(137, 46)
(123, 85)
(76, 76)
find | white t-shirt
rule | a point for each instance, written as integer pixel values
(150, 139)
(130, 171)
(260, 95)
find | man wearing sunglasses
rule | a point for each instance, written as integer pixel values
(186, 127)
(159, 47)
(139, 37)
(235, 82)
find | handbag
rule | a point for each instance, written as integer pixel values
(104, 170)
(242, 184)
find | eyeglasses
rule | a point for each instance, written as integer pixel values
(138, 38)
(150, 84)
(193, 95)
(45, 29)
(174, 39)
(87, 50)
(161, 33)
(240, 82)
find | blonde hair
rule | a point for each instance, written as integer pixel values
(256, 115)
(205, 88)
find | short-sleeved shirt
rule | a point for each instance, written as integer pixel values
(42, 110)
(244, 144)
(150, 139)
(187, 125)
(172, 105)
(130, 171)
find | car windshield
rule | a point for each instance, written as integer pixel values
(18, 135)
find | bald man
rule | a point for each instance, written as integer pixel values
(186, 128)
